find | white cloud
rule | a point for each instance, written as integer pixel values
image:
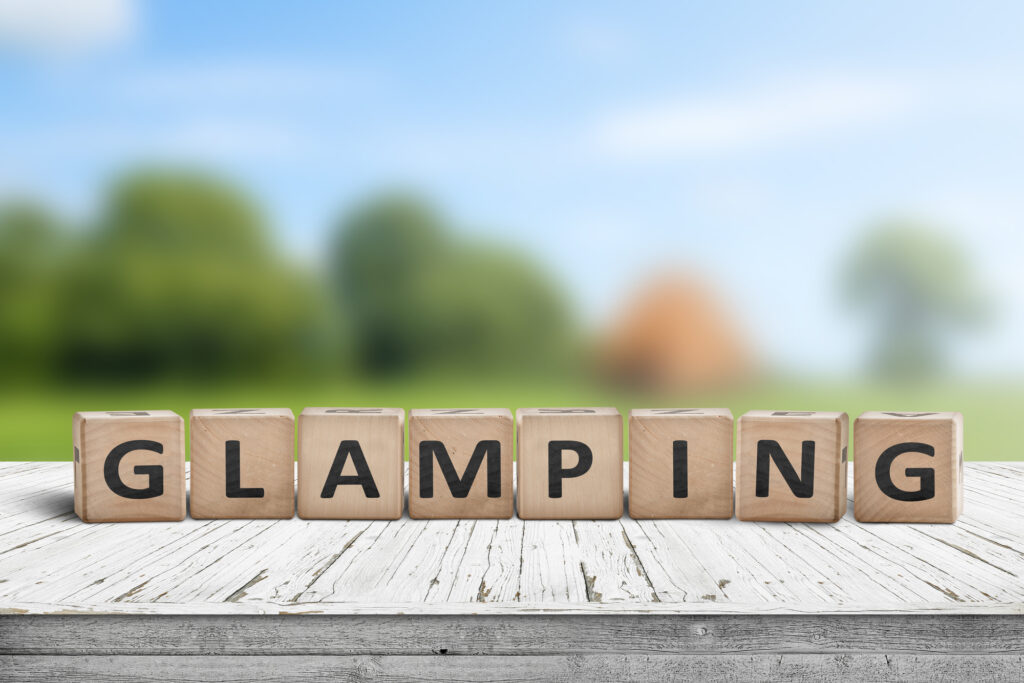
(769, 115)
(61, 27)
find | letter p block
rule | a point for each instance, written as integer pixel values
(570, 463)
(129, 466)
(460, 463)
(909, 467)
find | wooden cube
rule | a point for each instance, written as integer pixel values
(129, 466)
(351, 463)
(908, 467)
(791, 466)
(460, 463)
(243, 463)
(570, 463)
(680, 463)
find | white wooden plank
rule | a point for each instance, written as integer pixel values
(551, 570)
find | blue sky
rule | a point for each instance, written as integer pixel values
(752, 142)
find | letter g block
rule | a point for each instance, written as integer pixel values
(908, 467)
(129, 466)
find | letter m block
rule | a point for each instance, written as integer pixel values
(129, 466)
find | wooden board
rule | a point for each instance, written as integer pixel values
(615, 599)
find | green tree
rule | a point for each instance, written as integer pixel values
(918, 288)
(33, 248)
(419, 298)
(180, 276)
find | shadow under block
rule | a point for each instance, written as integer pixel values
(243, 463)
(680, 463)
(460, 464)
(129, 466)
(570, 463)
(351, 463)
(908, 467)
(791, 466)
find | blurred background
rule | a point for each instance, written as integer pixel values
(752, 205)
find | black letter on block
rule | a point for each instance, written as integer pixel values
(555, 470)
(155, 472)
(361, 477)
(460, 486)
(680, 470)
(233, 473)
(883, 472)
(802, 486)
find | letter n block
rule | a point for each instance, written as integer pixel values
(129, 466)
(909, 467)
(570, 463)
(791, 466)
(243, 463)
(680, 463)
(351, 463)
(460, 463)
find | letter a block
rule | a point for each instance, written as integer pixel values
(570, 463)
(680, 463)
(351, 463)
(791, 466)
(129, 466)
(460, 464)
(909, 467)
(243, 463)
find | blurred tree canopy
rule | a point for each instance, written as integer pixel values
(32, 253)
(918, 288)
(178, 277)
(417, 298)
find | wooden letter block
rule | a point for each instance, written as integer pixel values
(129, 466)
(791, 466)
(909, 467)
(460, 464)
(243, 463)
(351, 463)
(570, 463)
(680, 463)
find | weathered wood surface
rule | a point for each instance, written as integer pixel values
(212, 600)
(51, 563)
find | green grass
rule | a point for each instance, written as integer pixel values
(36, 422)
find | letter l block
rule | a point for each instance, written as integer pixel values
(129, 466)
(243, 463)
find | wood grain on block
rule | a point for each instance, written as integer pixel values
(460, 463)
(908, 467)
(129, 466)
(570, 463)
(791, 466)
(680, 463)
(242, 463)
(351, 463)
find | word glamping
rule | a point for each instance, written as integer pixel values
(790, 466)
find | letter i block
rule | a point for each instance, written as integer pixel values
(570, 463)
(680, 463)
(351, 463)
(243, 463)
(129, 466)
(909, 467)
(460, 464)
(791, 466)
